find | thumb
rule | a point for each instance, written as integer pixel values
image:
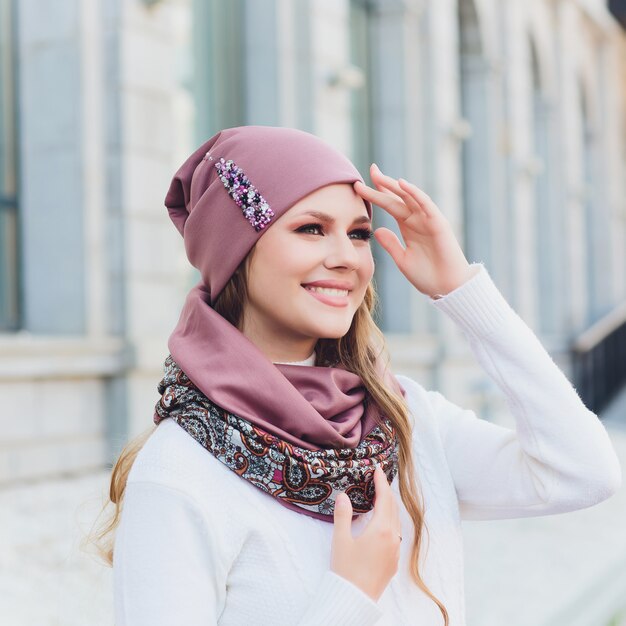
(343, 514)
(390, 242)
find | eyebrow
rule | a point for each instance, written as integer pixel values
(329, 219)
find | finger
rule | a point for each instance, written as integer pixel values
(390, 183)
(388, 201)
(397, 523)
(390, 242)
(382, 504)
(342, 517)
(407, 195)
(359, 186)
(390, 498)
(420, 196)
(411, 194)
(378, 178)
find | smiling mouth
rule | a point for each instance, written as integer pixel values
(342, 300)
(327, 291)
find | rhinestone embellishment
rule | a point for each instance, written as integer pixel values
(253, 205)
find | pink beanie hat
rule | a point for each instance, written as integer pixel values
(237, 183)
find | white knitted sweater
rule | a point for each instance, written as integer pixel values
(199, 546)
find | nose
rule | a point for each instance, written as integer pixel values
(342, 252)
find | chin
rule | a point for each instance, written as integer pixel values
(330, 332)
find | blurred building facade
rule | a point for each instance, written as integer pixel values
(511, 115)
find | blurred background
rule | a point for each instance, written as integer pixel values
(511, 114)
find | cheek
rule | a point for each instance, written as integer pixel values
(366, 271)
(274, 271)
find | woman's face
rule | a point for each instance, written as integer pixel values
(282, 317)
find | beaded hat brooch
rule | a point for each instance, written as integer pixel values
(247, 197)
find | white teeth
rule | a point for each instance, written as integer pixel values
(331, 292)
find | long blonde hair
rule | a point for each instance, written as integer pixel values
(357, 350)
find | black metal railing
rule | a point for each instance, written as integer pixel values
(599, 360)
(618, 8)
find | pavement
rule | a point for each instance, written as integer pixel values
(46, 579)
(546, 571)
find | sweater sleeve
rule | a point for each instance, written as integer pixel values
(338, 601)
(559, 456)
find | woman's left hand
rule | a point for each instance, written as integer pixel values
(433, 260)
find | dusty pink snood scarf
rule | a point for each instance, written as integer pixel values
(301, 433)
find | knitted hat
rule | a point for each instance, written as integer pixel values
(238, 183)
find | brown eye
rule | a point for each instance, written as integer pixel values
(302, 228)
(365, 234)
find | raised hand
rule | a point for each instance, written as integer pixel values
(432, 260)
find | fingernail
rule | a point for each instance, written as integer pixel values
(376, 166)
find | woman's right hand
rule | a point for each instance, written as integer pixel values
(371, 560)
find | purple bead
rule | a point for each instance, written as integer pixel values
(254, 207)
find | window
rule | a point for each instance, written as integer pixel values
(219, 66)
(9, 283)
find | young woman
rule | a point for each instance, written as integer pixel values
(292, 478)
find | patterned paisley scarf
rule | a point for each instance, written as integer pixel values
(307, 479)
(303, 454)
